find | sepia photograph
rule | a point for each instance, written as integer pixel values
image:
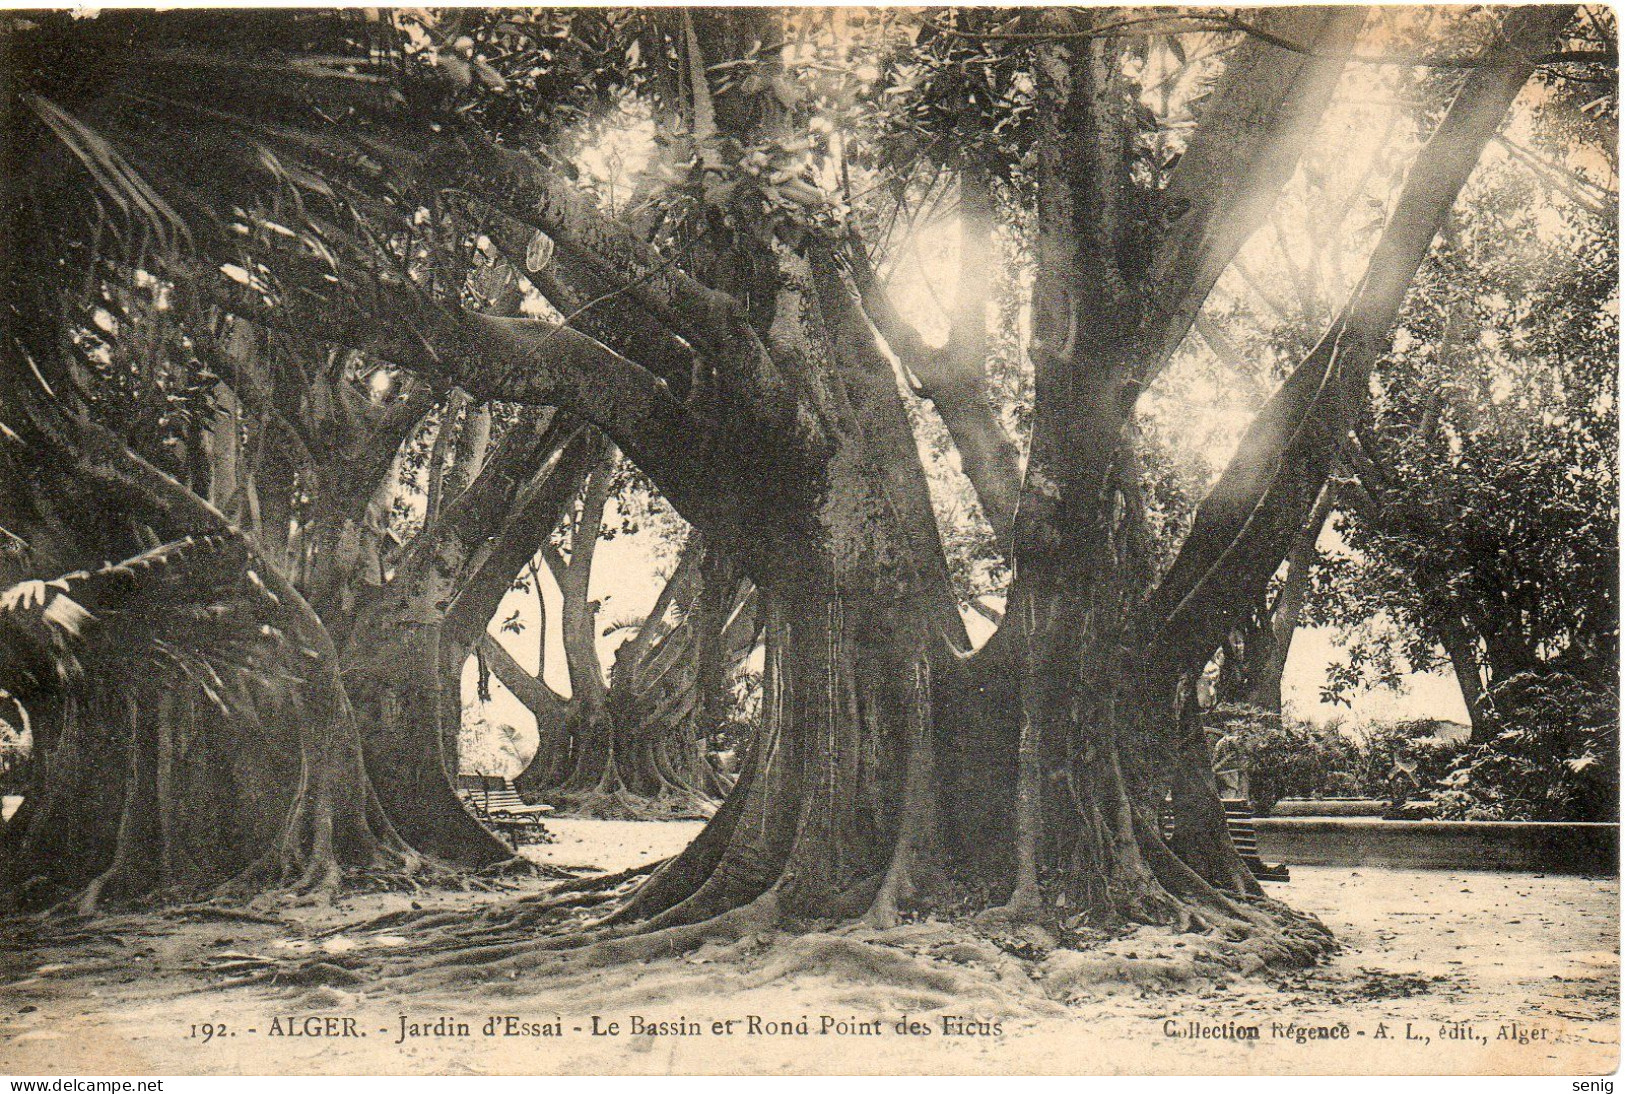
(1054, 540)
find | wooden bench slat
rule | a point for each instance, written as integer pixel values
(499, 805)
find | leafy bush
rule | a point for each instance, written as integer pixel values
(1556, 757)
(1283, 758)
(1399, 760)
(485, 749)
(1291, 759)
(744, 714)
(16, 759)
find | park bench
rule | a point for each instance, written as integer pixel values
(497, 804)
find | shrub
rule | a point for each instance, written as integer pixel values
(1290, 759)
(486, 749)
(1556, 756)
(744, 714)
(1283, 758)
(1397, 760)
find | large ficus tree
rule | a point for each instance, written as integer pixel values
(727, 327)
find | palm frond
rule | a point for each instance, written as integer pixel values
(249, 157)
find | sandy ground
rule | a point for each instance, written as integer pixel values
(1439, 972)
(611, 845)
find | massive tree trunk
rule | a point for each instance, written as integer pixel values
(854, 597)
(1101, 746)
(1108, 732)
(817, 814)
(395, 661)
(174, 769)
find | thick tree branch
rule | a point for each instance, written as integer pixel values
(1244, 151)
(1288, 606)
(571, 453)
(584, 543)
(450, 423)
(428, 575)
(607, 311)
(711, 321)
(954, 377)
(1585, 194)
(539, 698)
(1218, 21)
(529, 361)
(1245, 525)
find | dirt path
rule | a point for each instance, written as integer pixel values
(611, 845)
(1470, 961)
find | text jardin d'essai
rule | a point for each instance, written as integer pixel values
(634, 1025)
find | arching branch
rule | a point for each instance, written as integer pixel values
(533, 691)
(1243, 152)
(1245, 525)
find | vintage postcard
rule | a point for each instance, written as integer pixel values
(909, 541)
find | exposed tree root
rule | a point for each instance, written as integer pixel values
(955, 960)
(608, 881)
(612, 801)
(645, 784)
(225, 915)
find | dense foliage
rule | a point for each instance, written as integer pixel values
(1289, 758)
(1556, 759)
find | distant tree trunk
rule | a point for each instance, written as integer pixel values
(1446, 617)
(638, 748)
(489, 579)
(552, 721)
(445, 441)
(1462, 649)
